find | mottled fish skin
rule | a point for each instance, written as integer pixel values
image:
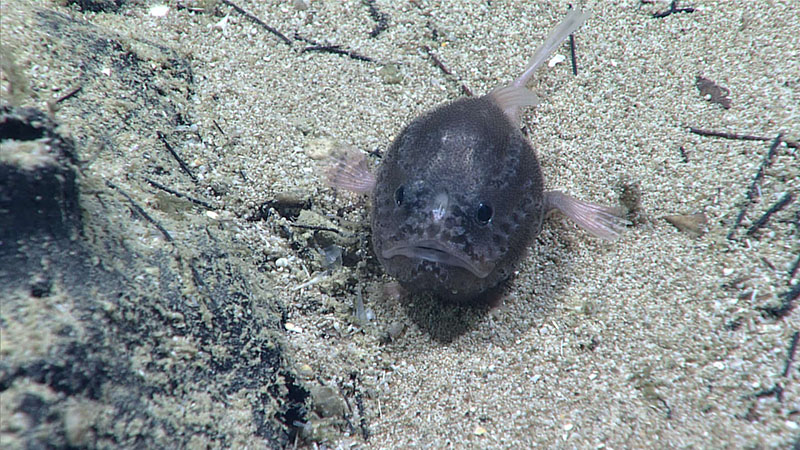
(434, 186)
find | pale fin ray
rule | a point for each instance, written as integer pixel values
(348, 169)
(601, 221)
(510, 97)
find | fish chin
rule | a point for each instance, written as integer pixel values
(433, 251)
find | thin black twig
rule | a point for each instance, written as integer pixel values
(315, 46)
(684, 155)
(572, 55)
(740, 136)
(381, 19)
(776, 390)
(751, 192)
(349, 408)
(785, 200)
(141, 211)
(70, 94)
(795, 268)
(438, 63)
(258, 21)
(198, 279)
(337, 50)
(787, 303)
(178, 194)
(314, 227)
(175, 155)
(726, 135)
(666, 405)
(218, 127)
(365, 433)
(790, 353)
(673, 9)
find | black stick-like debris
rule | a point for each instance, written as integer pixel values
(381, 19)
(790, 353)
(175, 155)
(673, 9)
(314, 228)
(787, 303)
(751, 192)
(218, 127)
(70, 94)
(572, 55)
(438, 63)
(337, 50)
(178, 194)
(740, 136)
(141, 211)
(785, 200)
(258, 21)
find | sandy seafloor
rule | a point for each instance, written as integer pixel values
(657, 340)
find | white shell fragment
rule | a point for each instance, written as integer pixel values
(159, 10)
(558, 59)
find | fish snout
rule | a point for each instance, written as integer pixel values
(439, 206)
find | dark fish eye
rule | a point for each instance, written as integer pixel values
(484, 213)
(398, 196)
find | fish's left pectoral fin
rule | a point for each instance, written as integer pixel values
(601, 221)
(512, 99)
(347, 169)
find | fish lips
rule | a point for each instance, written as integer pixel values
(435, 251)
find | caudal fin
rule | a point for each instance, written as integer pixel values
(514, 96)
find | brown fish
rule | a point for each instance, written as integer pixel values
(459, 195)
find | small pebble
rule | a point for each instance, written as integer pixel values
(395, 328)
(159, 10)
(320, 148)
(327, 402)
(305, 371)
(78, 423)
(558, 59)
(390, 73)
(695, 224)
(292, 327)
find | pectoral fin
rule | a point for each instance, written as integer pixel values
(348, 169)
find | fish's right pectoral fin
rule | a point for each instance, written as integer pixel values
(601, 221)
(347, 169)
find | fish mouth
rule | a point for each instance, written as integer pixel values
(434, 251)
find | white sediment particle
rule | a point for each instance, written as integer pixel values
(292, 327)
(557, 59)
(159, 10)
(222, 25)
